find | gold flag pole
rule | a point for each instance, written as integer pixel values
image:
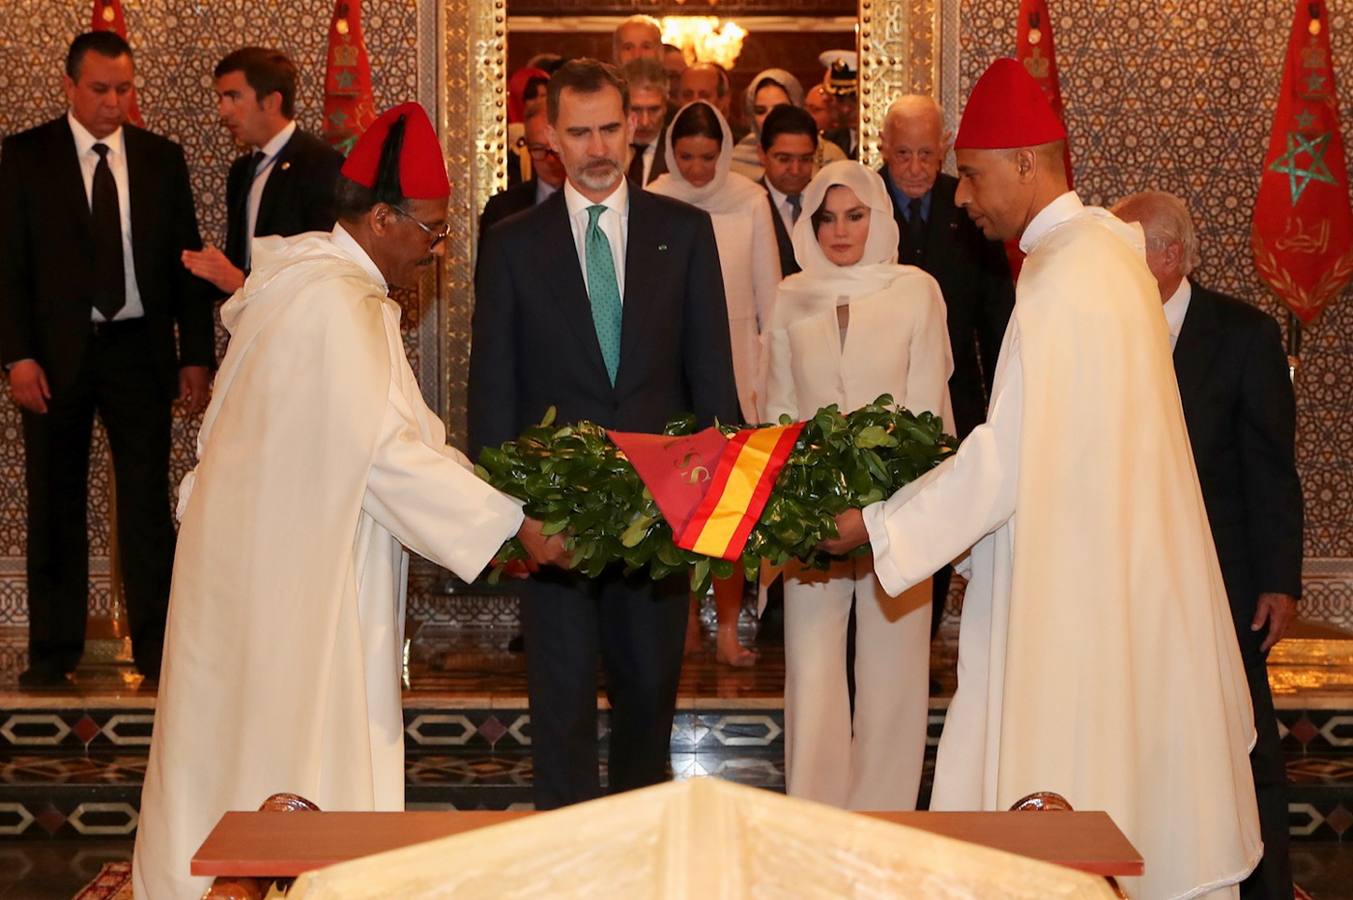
(108, 646)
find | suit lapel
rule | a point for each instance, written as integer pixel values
(1196, 347)
(140, 180)
(644, 255)
(782, 242)
(943, 225)
(276, 185)
(70, 181)
(561, 259)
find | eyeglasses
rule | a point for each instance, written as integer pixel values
(538, 152)
(437, 234)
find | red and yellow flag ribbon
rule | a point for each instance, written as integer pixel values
(738, 492)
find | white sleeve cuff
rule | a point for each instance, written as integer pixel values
(885, 570)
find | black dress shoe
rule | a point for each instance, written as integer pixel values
(42, 675)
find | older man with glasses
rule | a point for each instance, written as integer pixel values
(547, 173)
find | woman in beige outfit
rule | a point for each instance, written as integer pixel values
(699, 159)
(851, 326)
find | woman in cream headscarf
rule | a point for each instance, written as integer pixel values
(851, 326)
(699, 153)
(769, 89)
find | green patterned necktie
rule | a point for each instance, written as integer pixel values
(603, 291)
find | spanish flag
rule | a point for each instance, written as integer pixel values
(711, 489)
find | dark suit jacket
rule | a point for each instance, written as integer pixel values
(298, 195)
(534, 345)
(46, 244)
(788, 264)
(1241, 416)
(979, 296)
(508, 202)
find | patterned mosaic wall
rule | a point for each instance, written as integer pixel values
(177, 44)
(1179, 95)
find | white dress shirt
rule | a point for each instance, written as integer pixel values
(650, 154)
(265, 167)
(782, 206)
(614, 223)
(543, 190)
(117, 162)
(1176, 308)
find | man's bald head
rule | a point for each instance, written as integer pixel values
(914, 143)
(1171, 242)
(706, 81)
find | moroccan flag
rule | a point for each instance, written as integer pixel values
(108, 17)
(710, 489)
(1033, 47)
(348, 105)
(1303, 226)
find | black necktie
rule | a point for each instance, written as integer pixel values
(913, 242)
(636, 173)
(110, 284)
(238, 250)
(795, 207)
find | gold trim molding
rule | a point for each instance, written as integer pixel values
(472, 119)
(899, 54)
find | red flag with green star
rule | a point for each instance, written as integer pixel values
(1303, 225)
(108, 17)
(348, 105)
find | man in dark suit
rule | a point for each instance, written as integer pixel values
(788, 153)
(94, 215)
(649, 107)
(547, 173)
(1236, 390)
(973, 274)
(285, 184)
(618, 318)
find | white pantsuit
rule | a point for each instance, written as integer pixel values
(895, 342)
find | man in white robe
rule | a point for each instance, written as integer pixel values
(318, 463)
(1096, 653)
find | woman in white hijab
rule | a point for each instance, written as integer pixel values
(769, 89)
(851, 326)
(699, 153)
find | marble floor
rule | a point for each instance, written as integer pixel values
(72, 759)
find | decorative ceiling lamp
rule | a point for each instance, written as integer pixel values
(704, 38)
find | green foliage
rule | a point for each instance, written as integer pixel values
(577, 482)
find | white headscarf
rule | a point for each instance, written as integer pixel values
(726, 192)
(787, 82)
(878, 266)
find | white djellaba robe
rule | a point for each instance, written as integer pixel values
(1097, 657)
(318, 462)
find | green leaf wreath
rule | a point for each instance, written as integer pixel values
(577, 482)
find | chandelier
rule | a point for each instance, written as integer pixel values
(704, 38)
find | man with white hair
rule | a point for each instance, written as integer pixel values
(974, 276)
(648, 107)
(1241, 416)
(638, 37)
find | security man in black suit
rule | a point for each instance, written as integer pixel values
(1239, 407)
(285, 184)
(547, 172)
(788, 153)
(605, 302)
(973, 274)
(94, 215)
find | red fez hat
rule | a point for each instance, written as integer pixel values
(421, 168)
(1007, 109)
